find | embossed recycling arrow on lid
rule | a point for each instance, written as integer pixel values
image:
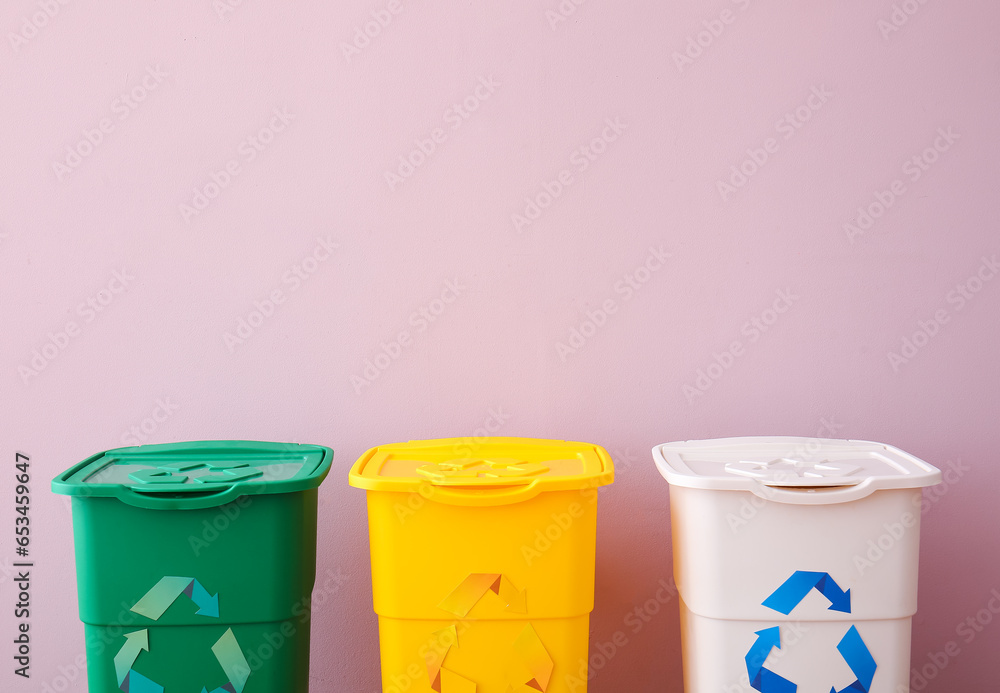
(786, 471)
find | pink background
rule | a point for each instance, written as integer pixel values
(821, 366)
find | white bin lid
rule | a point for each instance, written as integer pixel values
(806, 470)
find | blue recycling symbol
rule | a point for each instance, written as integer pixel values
(783, 600)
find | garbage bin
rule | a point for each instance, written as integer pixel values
(796, 562)
(483, 562)
(195, 562)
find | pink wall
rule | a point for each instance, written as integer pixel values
(838, 98)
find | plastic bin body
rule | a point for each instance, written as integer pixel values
(827, 531)
(480, 580)
(191, 585)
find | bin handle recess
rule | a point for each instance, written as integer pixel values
(815, 496)
(481, 496)
(180, 501)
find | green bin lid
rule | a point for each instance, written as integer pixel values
(199, 474)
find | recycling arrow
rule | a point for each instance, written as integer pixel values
(761, 679)
(156, 476)
(531, 666)
(168, 589)
(227, 650)
(795, 589)
(859, 658)
(444, 680)
(131, 681)
(137, 683)
(497, 470)
(135, 642)
(228, 476)
(475, 586)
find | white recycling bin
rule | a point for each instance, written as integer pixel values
(796, 562)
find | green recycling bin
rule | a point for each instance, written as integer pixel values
(195, 564)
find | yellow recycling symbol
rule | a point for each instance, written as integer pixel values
(529, 668)
(473, 588)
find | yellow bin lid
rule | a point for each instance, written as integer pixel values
(486, 471)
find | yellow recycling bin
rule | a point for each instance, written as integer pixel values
(483, 562)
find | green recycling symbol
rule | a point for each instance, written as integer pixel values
(152, 605)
